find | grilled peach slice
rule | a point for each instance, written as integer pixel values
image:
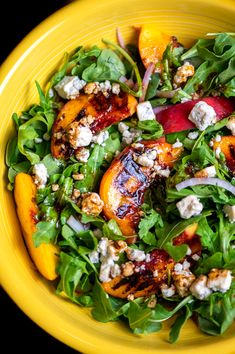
(146, 279)
(103, 112)
(124, 183)
(43, 256)
(227, 147)
(152, 44)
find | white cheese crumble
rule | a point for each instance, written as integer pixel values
(189, 206)
(115, 88)
(135, 255)
(40, 175)
(69, 87)
(218, 138)
(144, 161)
(193, 135)
(231, 125)
(199, 288)
(219, 280)
(229, 211)
(100, 138)
(122, 127)
(177, 144)
(217, 152)
(79, 135)
(145, 111)
(207, 172)
(167, 291)
(94, 256)
(82, 155)
(202, 115)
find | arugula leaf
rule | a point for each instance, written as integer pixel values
(162, 314)
(150, 219)
(102, 310)
(176, 252)
(179, 323)
(206, 263)
(46, 233)
(152, 127)
(108, 67)
(170, 231)
(209, 238)
(141, 319)
(112, 231)
(153, 86)
(71, 269)
(216, 316)
(226, 235)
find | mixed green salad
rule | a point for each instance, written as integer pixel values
(124, 181)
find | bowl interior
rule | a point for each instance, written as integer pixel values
(83, 23)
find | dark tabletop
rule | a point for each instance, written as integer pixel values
(18, 332)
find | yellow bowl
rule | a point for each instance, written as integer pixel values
(82, 23)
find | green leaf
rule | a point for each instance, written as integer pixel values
(112, 231)
(102, 310)
(71, 269)
(141, 319)
(53, 165)
(46, 233)
(162, 314)
(108, 67)
(208, 237)
(150, 219)
(153, 86)
(178, 324)
(88, 238)
(176, 252)
(207, 263)
(169, 232)
(152, 129)
(68, 235)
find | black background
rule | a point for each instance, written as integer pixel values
(18, 333)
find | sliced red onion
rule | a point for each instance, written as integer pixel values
(167, 94)
(210, 181)
(76, 225)
(120, 39)
(146, 80)
(161, 108)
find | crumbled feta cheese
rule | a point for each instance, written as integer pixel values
(103, 246)
(82, 155)
(167, 291)
(193, 135)
(229, 211)
(38, 140)
(94, 256)
(105, 269)
(155, 273)
(115, 88)
(231, 125)
(144, 160)
(148, 258)
(218, 138)
(122, 127)
(211, 143)
(100, 138)
(206, 172)
(138, 146)
(69, 87)
(79, 135)
(177, 144)
(189, 251)
(199, 288)
(217, 152)
(202, 115)
(115, 270)
(161, 171)
(183, 73)
(189, 206)
(105, 86)
(40, 175)
(135, 255)
(183, 282)
(219, 280)
(92, 204)
(152, 154)
(195, 257)
(145, 111)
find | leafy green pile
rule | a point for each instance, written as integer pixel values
(215, 70)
